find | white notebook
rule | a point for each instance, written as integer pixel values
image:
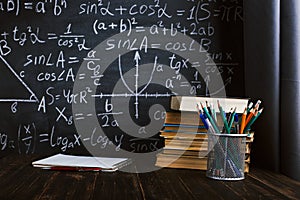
(81, 163)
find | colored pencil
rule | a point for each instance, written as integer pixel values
(223, 118)
(256, 115)
(243, 121)
(215, 127)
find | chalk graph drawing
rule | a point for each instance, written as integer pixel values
(13, 88)
(133, 84)
(136, 92)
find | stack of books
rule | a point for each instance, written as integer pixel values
(186, 138)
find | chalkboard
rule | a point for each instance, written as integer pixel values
(88, 76)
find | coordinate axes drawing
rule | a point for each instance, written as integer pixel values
(136, 92)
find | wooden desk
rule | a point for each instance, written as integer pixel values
(19, 180)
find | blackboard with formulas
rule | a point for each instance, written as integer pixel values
(97, 75)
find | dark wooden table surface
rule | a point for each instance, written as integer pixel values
(19, 180)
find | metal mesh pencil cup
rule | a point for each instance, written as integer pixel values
(226, 156)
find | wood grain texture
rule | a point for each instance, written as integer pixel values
(19, 180)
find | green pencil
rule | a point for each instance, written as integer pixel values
(223, 117)
(210, 119)
(232, 119)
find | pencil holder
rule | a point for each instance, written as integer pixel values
(226, 156)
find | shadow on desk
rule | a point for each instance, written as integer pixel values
(19, 180)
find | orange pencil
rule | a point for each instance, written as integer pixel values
(243, 121)
(256, 115)
(251, 114)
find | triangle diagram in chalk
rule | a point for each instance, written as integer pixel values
(13, 88)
